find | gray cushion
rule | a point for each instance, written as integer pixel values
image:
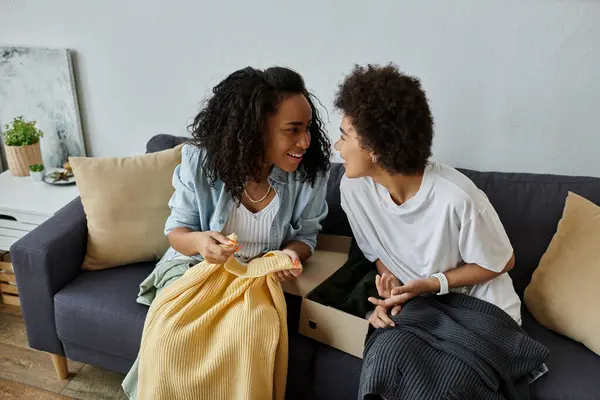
(163, 142)
(336, 374)
(530, 207)
(573, 369)
(336, 222)
(98, 310)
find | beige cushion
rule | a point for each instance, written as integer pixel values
(126, 204)
(564, 293)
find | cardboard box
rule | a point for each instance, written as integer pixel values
(326, 324)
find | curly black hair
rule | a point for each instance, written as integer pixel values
(231, 126)
(391, 116)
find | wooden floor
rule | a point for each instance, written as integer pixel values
(29, 374)
(13, 390)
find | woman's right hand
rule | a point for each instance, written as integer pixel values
(214, 246)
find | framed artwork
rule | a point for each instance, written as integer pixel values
(38, 84)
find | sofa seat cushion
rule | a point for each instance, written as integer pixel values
(98, 310)
(573, 368)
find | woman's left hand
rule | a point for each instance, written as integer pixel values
(291, 273)
(401, 294)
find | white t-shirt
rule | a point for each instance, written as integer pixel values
(252, 229)
(449, 222)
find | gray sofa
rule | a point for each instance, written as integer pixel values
(92, 317)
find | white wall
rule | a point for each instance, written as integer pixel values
(514, 85)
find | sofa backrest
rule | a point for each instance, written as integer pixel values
(529, 206)
(164, 141)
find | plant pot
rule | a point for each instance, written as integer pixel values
(19, 158)
(37, 176)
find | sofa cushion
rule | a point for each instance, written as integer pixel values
(572, 368)
(126, 204)
(163, 142)
(563, 295)
(98, 310)
(530, 206)
(336, 222)
(336, 374)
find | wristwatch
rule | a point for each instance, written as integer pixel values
(443, 282)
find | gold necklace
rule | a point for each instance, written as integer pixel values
(262, 199)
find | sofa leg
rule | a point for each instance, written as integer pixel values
(60, 364)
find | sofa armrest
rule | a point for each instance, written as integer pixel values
(44, 261)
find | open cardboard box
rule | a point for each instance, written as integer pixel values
(322, 322)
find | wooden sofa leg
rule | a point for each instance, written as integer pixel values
(60, 364)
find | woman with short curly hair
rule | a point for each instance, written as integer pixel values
(423, 223)
(257, 166)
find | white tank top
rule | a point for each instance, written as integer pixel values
(252, 229)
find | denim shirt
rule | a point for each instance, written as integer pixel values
(198, 206)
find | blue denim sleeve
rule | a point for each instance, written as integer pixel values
(184, 202)
(314, 212)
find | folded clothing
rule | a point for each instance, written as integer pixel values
(218, 332)
(350, 287)
(450, 347)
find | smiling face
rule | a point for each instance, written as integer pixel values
(358, 161)
(287, 133)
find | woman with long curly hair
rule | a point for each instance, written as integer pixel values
(257, 166)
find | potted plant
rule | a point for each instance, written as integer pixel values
(36, 171)
(22, 140)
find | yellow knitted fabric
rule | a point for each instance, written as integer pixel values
(219, 332)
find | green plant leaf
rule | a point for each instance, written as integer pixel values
(21, 132)
(36, 167)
